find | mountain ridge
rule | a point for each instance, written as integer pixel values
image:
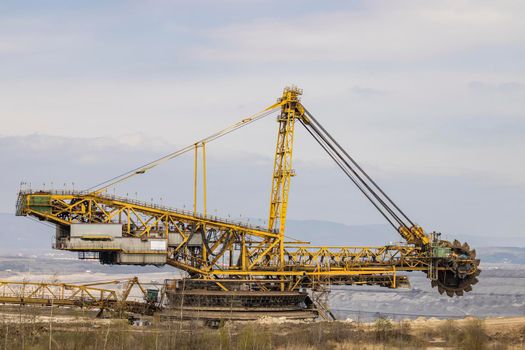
(20, 235)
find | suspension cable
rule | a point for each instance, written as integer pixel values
(357, 174)
(339, 163)
(358, 167)
(142, 169)
(354, 172)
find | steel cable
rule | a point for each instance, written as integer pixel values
(346, 171)
(358, 167)
(370, 190)
(142, 169)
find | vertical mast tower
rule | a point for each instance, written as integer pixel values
(291, 109)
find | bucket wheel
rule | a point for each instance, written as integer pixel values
(457, 273)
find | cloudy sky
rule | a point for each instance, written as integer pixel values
(428, 95)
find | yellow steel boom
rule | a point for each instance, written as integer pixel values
(124, 231)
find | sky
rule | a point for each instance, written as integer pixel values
(429, 96)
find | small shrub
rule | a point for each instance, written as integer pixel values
(449, 331)
(474, 336)
(251, 338)
(383, 328)
(402, 332)
(522, 332)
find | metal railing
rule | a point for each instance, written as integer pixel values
(111, 197)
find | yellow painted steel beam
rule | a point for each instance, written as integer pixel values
(231, 249)
(146, 220)
(107, 204)
(282, 168)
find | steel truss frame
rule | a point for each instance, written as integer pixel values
(233, 253)
(234, 250)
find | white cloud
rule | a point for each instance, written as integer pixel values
(387, 31)
(409, 87)
(504, 87)
(240, 184)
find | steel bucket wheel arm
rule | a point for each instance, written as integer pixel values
(453, 273)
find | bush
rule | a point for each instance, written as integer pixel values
(251, 338)
(474, 336)
(450, 332)
(383, 328)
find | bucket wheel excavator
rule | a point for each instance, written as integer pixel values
(237, 268)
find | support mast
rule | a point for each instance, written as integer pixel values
(291, 109)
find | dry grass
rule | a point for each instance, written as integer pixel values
(87, 333)
(120, 335)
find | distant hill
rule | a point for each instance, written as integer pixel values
(510, 255)
(333, 233)
(25, 235)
